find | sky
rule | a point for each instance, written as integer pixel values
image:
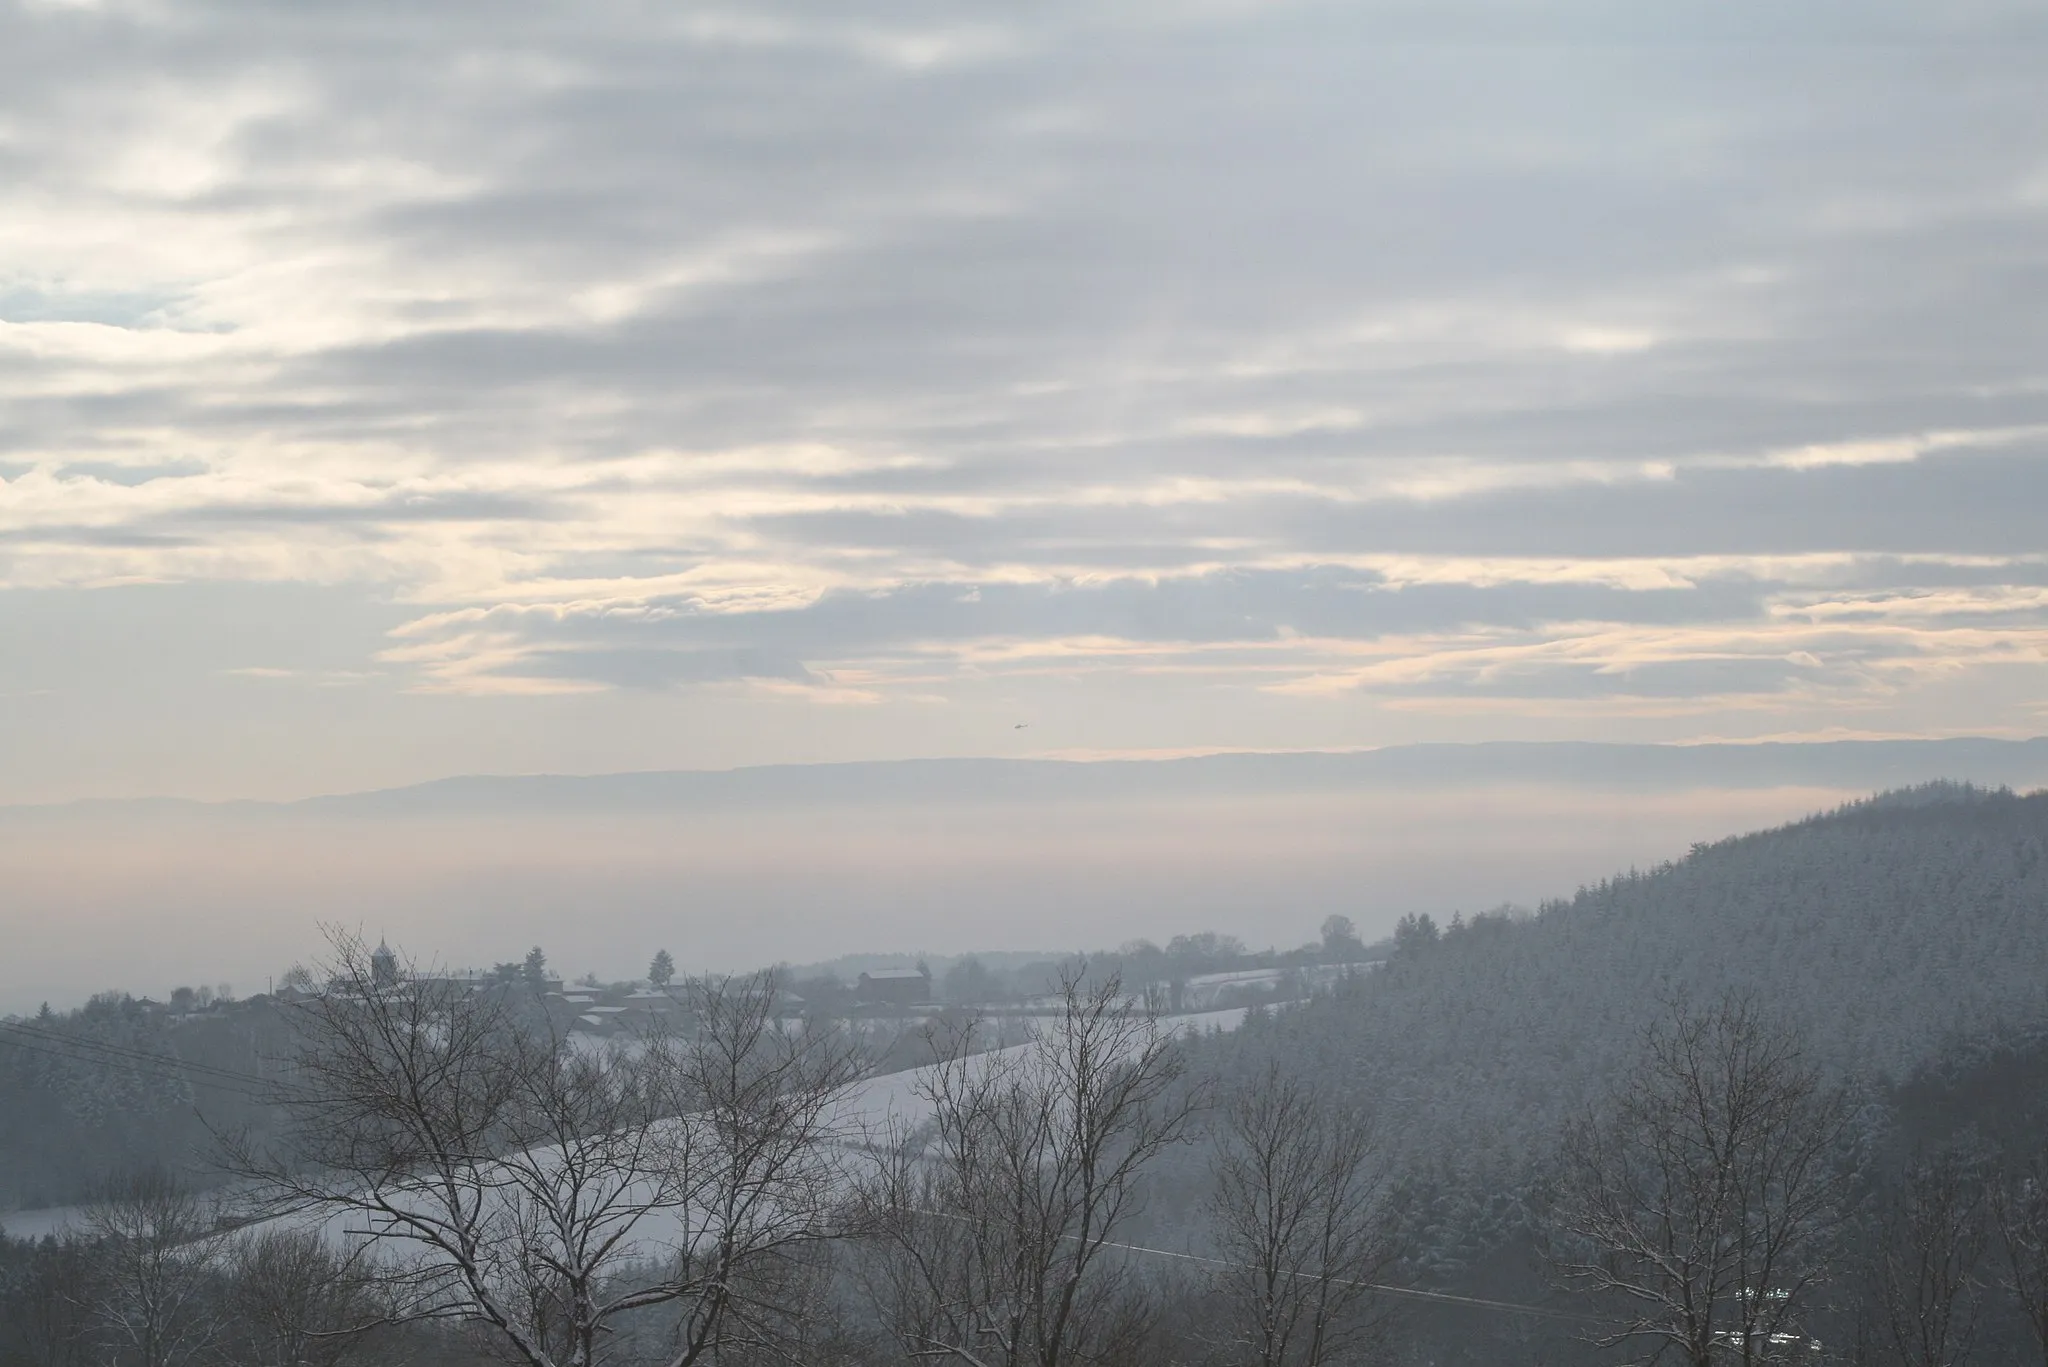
(389, 391)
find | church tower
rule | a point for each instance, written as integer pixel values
(383, 966)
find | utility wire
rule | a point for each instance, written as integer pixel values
(1381, 1288)
(63, 1040)
(94, 1051)
(75, 1057)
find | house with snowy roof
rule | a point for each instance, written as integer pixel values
(894, 987)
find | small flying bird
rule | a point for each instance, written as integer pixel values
(1020, 726)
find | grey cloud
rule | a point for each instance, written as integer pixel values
(1223, 608)
(1963, 504)
(1164, 222)
(1982, 503)
(1715, 637)
(1688, 679)
(110, 538)
(1891, 572)
(1232, 193)
(394, 509)
(114, 472)
(628, 667)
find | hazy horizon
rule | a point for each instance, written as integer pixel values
(236, 906)
(743, 869)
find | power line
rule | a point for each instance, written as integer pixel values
(76, 1057)
(78, 1050)
(1380, 1288)
(52, 1051)
(58, 1037)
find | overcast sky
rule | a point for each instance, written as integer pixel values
(389, 390)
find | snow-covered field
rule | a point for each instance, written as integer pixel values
(873, 1107)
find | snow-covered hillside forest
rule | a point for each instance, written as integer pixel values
(1894, 934)
(1781, 1100)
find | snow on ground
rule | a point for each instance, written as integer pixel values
(869, 1108)
(873, 1105)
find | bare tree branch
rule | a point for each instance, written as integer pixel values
(1700, 1207)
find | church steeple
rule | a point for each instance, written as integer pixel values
(383, 965)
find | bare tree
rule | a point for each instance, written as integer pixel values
(297, 1302)
(1924, 1268)
(997, 1220)
(152, 1245)
(2019, 1209)
(1700, 1207)
(545, 1192)
(1299, 1216)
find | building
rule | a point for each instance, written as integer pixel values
(601, 1020)
(894, 987)
(383, 966)
(646, 1006)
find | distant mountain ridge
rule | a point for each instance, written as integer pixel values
(1850, 765)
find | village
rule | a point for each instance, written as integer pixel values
(660, 1001)
(1193, 973)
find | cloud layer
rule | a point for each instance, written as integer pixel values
(1463, 371)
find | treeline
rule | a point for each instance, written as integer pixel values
(119, 1085)
(997, 980)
